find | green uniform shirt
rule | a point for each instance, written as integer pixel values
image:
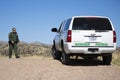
(13, 36)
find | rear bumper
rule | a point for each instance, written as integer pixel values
(85, 50)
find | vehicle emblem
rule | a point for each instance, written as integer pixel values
(92, 34)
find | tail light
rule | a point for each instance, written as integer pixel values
(69, 35)
(114, 36)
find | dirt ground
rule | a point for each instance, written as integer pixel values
(49, 69)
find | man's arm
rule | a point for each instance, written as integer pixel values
(10, 38)
(18, 39)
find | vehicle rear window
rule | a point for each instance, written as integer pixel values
(91, 24)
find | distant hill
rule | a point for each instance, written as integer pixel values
(39, 43)
(2, 43)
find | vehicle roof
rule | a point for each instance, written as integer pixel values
(90, 16)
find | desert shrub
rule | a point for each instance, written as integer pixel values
(116, 57)
(27, 50)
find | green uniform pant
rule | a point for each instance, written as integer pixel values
(13, 47)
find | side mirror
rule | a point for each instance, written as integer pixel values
(54, 30)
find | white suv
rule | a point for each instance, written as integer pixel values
(85, 36)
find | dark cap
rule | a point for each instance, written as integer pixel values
(13, 28)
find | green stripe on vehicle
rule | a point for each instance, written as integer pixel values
(90, 44)
(82, 44)
(101, 44)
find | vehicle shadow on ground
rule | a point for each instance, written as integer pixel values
(85, 62)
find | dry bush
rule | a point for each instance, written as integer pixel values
(116, 57)
(27, 50)
(4, 50)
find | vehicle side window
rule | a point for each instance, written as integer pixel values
(67, 24)
(60, 27)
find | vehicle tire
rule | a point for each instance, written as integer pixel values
(107, 59)
(65, 57)
(55, 54)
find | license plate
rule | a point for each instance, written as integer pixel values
(92, 38)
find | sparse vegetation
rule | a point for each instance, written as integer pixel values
(116, 57)
(27, 49)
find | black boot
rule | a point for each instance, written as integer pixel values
(17, 56)
(9, 57)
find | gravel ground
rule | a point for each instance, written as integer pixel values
(49, 69)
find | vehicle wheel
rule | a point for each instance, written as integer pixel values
(65, 58)
(55, 54)
(107, 59)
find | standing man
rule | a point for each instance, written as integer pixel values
(13, 41)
